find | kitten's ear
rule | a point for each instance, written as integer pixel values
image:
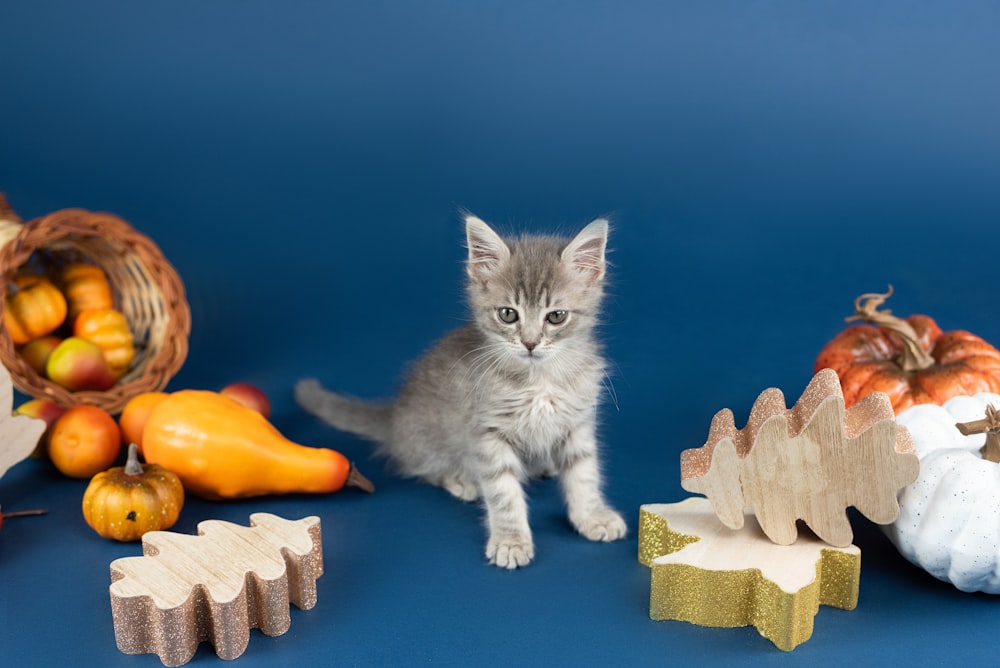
(585, 253)
(487, 251)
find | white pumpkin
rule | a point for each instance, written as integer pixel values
(949, 520)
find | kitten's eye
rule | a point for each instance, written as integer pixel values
(507, 315)
(556, 317)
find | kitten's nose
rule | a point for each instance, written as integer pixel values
(530, 345)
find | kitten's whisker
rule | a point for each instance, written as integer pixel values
(486, 348)
(489, 358)
(610, 386)
(495, 364)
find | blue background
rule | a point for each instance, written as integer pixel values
(302, 164)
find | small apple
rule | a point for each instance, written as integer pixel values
(36, 352)
(250, 396)
(78, 364)
(46, 410)
(85, 440)
(133, 417)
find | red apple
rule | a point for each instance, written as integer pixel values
(78, 364)
(250, 396)
(36, 352)
(43, 409)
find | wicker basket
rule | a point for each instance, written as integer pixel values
(145, 288)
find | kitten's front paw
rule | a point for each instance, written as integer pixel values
(604, 524)
(510, 550)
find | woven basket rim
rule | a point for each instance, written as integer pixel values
(137, 269)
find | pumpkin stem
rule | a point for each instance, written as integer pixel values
(991, 427)
(866, 309)
(355, 479)
(132, 465)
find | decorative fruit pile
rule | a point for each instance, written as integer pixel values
(66, 327)
(215, 445)
(78, 304)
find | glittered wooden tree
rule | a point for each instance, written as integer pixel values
(809, 462)
(19, 434)
(215, 586)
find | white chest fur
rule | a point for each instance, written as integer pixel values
(541, 414)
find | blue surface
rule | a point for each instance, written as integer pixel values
(302, 165)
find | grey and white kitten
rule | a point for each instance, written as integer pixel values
(510, 396)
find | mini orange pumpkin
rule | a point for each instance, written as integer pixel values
(911, 360)
(34, 307)
(125, 502)
(85, 286)
(109, 329)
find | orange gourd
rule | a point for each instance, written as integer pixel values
(911, 360)
(110, 330)
(222, 449)
(125, 502)
(34, 307)
(85, 286)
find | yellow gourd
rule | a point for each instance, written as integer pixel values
(222, 449)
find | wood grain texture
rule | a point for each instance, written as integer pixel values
(19, 434)
(215, 586)
(810, 462)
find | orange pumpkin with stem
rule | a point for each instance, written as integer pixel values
(911, 360)
(125, 502)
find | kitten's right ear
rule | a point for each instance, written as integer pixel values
(487, 251)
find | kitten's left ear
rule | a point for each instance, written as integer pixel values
(585, 253)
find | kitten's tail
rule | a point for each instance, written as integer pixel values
(371, 421)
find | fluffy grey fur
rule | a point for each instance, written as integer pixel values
(510, 396)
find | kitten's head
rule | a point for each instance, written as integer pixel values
(536, 296)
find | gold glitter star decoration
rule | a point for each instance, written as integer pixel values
(736, 558)
(215, 586)
(707, 574)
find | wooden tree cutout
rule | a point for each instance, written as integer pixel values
(809, 462)
(706, 574)
(215, 586)
(19, 434)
